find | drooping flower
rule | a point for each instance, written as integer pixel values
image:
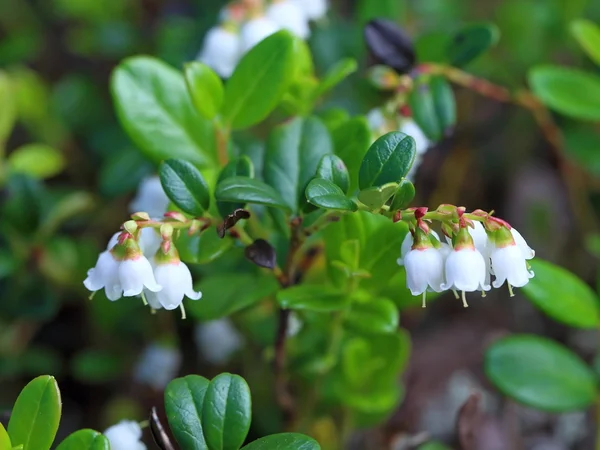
(158, 365)
(313, 9)
(255, 30)
(527, 251)
(217, 340)
(465, 268)
(288, 15)
(221, 50)
(407, 244)
(150, 198)
(105, 274)
(149, 241)
(135, 271)
(174, 277)
(125, 435)
(508, 261)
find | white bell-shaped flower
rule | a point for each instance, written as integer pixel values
(105, 274)
(313, 9)
(150, 198)
(221, 50)
(176, 281)
(113, 240)
(288, 15)
(149, 241)
(217, 340)
(135, 275)
(510, 266)
(528, 252)
(424, 270)
(125, 435)
(255, 30)
(407, 244)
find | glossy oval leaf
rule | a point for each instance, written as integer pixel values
(184, 400)
(423, 109)
(470, 42)
(205, 88)
(313, 298)
(293, 153)
(36, 414)
(36, 160)
(404, 195)
(332, 168)
(241, 166)
(540, 373)
(227, 412)
(375, 316)
(444, 103)
(259, 81)
(562, 295)
(587, 34)
(184, 185)
(240, 189)
(568, 91)
(325, 194)
(284, 441)
(155, 109)
(388, 160)
(85, 440)
(4, 439)
(351, 141)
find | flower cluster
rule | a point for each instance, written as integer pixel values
(245, 23)
(477, 246)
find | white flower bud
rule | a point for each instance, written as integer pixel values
(150, 198)
(288, 15)
(221, 50)
(125, 435)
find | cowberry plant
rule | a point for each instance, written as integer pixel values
(283, 210)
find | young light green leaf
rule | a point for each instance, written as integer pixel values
(375, 316)
(155, 109)
(293, 153)
(562, 295)
(568, 91)
(36, 414)
(4, 439)
(404, 195)
(388, 160)
(205, 88)
(36, 160)
(85, 440)
(8, 110)
(284, 441)
(351, 141)
(376, 196)
(241, 166)
(184, 400)
(336, 74)
(317, 298)
(470, 42)
(587, 34)
(240, 189)
(325, 194)
(259, 81)
(227, 412)
(185, 186)
(332, 168)
(540, 373)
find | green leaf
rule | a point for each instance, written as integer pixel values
(205, 88)
(377, 196)
(332, 168)
(444, 103)
(241, 189)
(85, 440)
(241, 166)
(351, 141)
(325, 194)
(433, 445)
(4, 439)
(374, 316)
(259, 81)
(423, 108)
(235, 292)
(184, 186)
(404, 195)
(582, 144)
(36, 160)
(568, 91)
(156, 111)
(184, 400)
(470, 42)
(388, 160)
(540, 373)
(587, 34)
(227, 412)
(562, 295)
(284, 441)
(96, 366)
(317, 298)
(293, 153)
(36, 414)
(8, 109)
(336, 74)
